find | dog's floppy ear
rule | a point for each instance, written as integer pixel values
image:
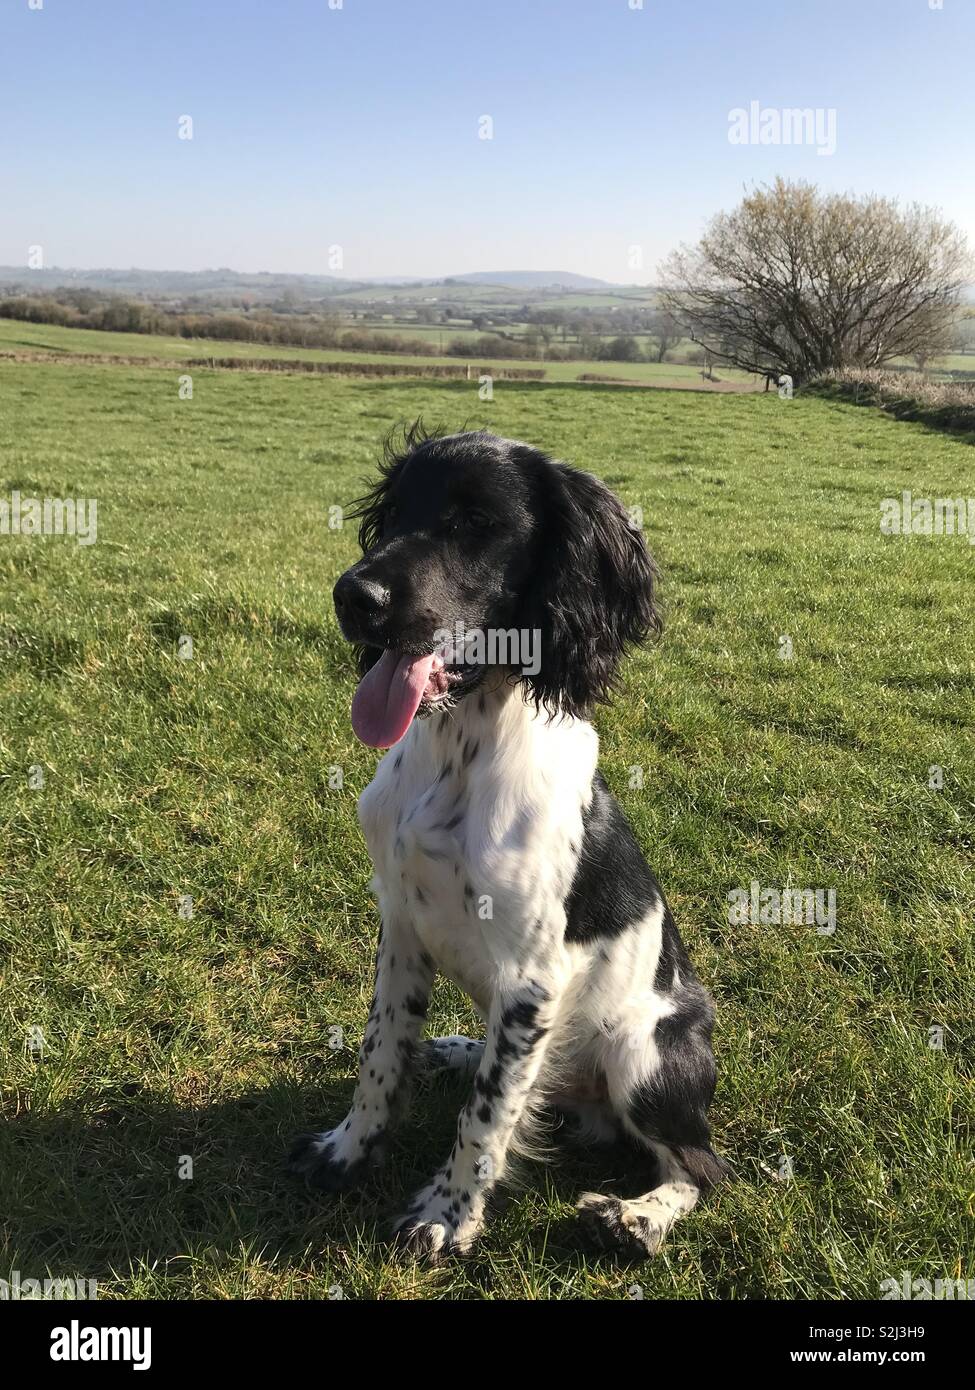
(593, 591)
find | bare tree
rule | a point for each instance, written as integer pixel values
(666, 332)
(799, 281)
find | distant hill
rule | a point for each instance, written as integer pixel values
(533, 279)
(262, 284)
(264, 287)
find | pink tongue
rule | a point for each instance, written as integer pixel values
(387, 698)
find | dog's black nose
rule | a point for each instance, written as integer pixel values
(358, 599)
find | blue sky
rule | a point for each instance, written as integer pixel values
(358, 127)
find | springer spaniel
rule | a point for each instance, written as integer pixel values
(501, 857)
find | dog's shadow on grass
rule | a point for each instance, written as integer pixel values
(133, 1183)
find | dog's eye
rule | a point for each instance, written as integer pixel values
(477, 521)
(389, 514)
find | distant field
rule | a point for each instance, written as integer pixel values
(595, 299)
(953, 362)
(500, 296)
(957, 361)
(39, 337)
(431, 333)
(443, 333)
(167, 1036)
(44, 337)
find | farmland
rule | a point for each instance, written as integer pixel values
(170, 1033)
(36, 338)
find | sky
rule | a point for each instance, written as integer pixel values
(357, 124)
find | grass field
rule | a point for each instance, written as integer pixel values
(957, 362)
(162, 1036)
(497, 296)
(42, 337)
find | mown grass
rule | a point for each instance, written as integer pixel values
(208, 1037)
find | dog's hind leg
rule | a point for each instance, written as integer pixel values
(661, 1079)
(637, 1226)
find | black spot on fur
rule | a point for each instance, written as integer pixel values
(488, 1085)
(522, 1012)
(613, 887)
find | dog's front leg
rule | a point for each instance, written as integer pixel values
(340, 1157)
(448, 1213)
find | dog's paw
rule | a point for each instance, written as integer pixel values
(620, 1226)
(439, 1222)
(326, 1161)
(454, 1053)
(426, 1240)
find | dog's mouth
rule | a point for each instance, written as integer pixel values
(397, 688)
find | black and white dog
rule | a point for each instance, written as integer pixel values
(501, 858)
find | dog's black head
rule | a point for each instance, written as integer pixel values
(482, 553)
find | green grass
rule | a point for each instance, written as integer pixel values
(406, 328)
(42, 337)
(210, 777)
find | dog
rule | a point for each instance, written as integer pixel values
(501, 857)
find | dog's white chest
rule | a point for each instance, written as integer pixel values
(474, 833)
(431, 868)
